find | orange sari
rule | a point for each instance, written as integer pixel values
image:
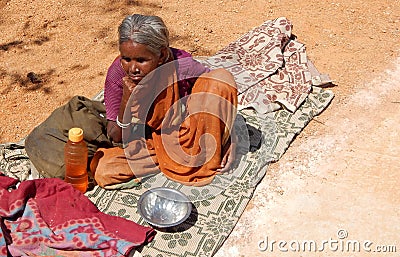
(186, 148)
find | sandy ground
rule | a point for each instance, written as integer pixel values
(340, 173)
(328, 185)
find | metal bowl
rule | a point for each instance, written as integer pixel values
(164, 207)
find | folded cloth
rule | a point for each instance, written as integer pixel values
(48, 216)
(269, 66)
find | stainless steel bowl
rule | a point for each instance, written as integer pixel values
(164, 207)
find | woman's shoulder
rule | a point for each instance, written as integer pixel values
(179, 53)
(115, 70)
(187, 64)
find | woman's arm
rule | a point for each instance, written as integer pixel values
(114, 128)
(114, 132)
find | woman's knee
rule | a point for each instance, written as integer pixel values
(218, 81)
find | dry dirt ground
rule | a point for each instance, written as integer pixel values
(341, 172)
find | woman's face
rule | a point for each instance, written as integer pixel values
(138, 61)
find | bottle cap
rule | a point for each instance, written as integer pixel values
(75, 134)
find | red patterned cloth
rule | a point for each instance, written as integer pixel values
(50, 217)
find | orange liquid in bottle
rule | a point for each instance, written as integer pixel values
(76, 158)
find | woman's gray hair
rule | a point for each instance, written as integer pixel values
(147, 30)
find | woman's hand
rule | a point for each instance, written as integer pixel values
(113, 130)
(229, 154)
(128, 86)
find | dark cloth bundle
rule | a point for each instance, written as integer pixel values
(45, 144)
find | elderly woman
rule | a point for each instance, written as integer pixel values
(171, 113)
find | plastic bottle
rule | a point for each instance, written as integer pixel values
(75, 159)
